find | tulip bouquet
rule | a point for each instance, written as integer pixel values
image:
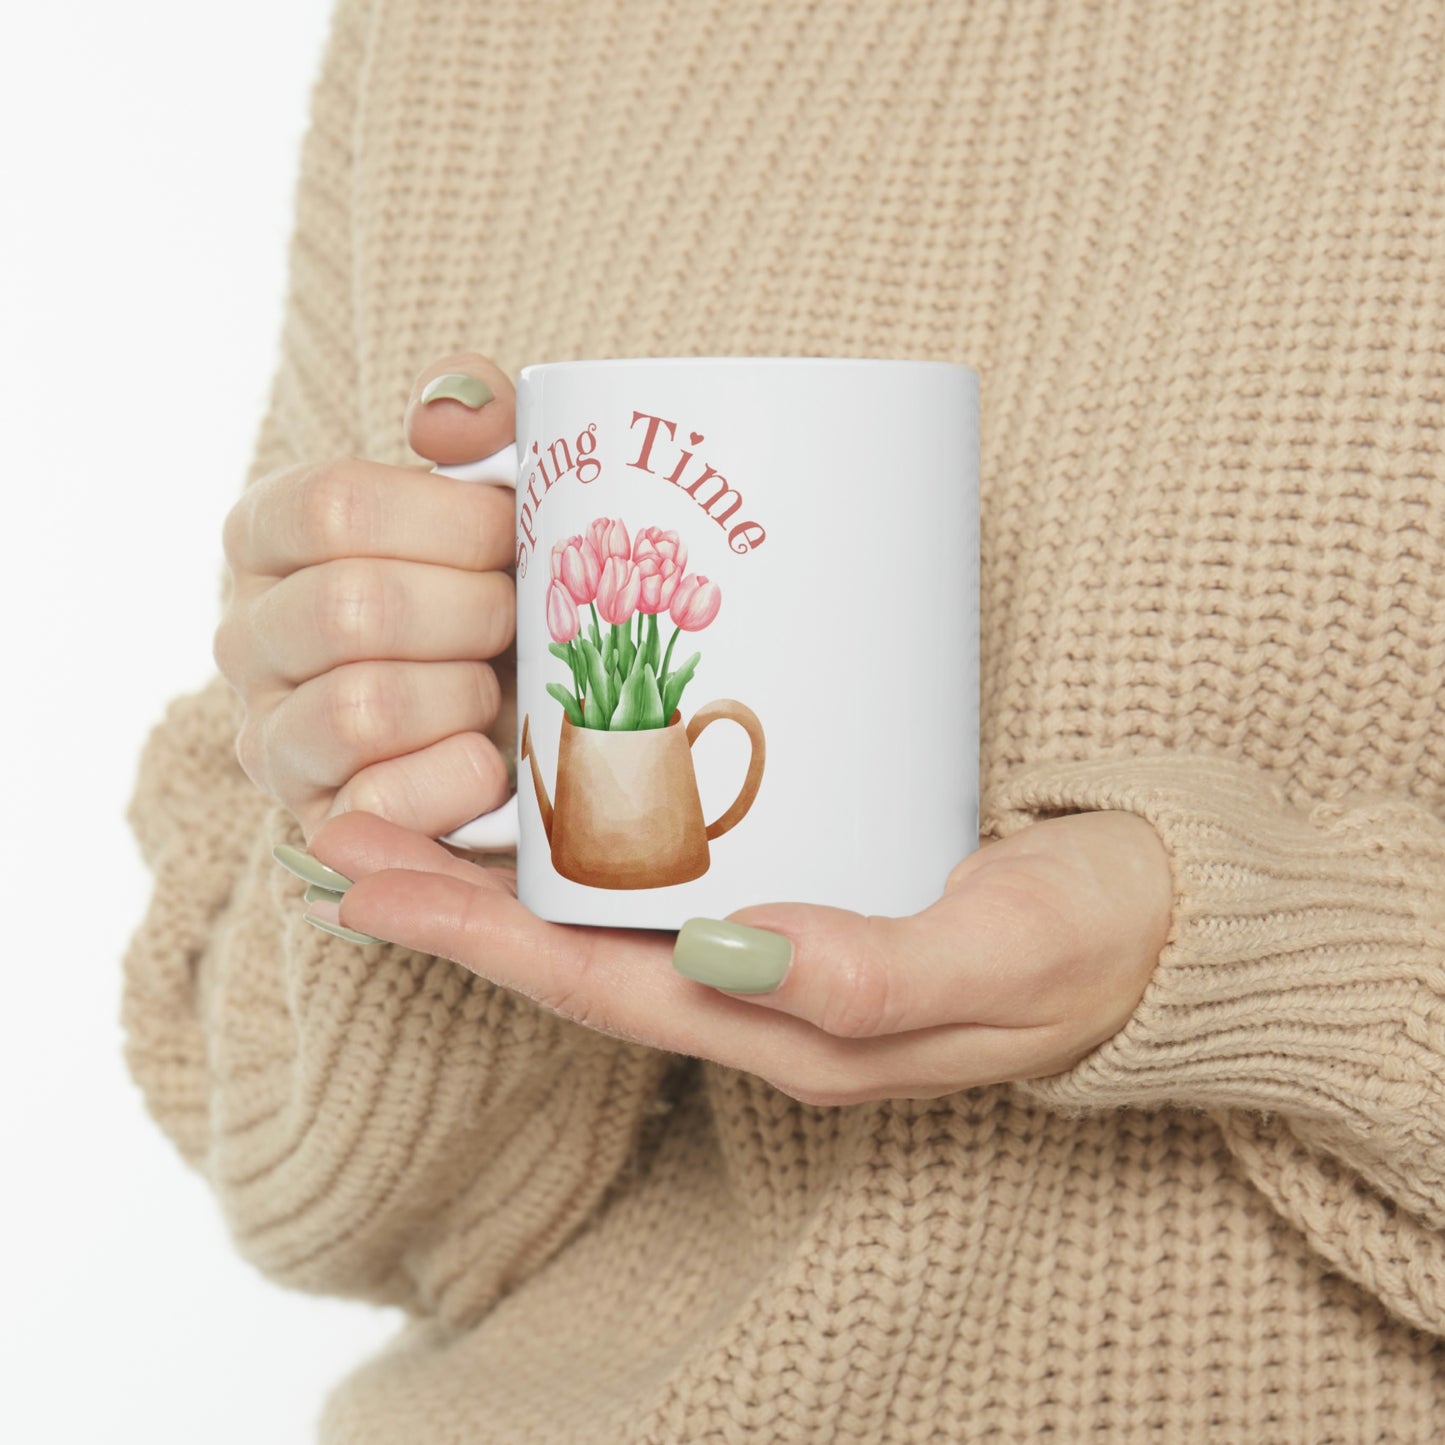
(623, 680)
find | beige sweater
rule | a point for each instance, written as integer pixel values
(1197, 252)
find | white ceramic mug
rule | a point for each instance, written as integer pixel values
(747, 635)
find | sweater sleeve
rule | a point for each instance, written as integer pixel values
(1299, 1001)
(375, 1122)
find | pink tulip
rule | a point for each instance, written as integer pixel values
(660, 576)
(660, 557)
(609, 538)
(659, 582)
(576, 564)
(618, 591)
(652, 540)
(695, 603)
(561, 614)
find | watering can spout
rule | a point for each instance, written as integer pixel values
(544, 803)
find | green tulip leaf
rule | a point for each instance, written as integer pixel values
(653, 716)
(599, 684)
(557, 650)
(626, 651)
(672, 688)
(640, 705)
(628, 710)
(569, 703)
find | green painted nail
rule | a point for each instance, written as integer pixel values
(317, 894)
(340, 932)
(732, 955)
(303, 865)
(471, 391)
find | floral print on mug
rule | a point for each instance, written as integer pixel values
(627, 812)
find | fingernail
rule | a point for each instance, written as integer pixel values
(303, 865)
(327, 909)
(317, 894)
(348, 933)
(471, 391)
(732, 955)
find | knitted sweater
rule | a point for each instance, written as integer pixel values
(1197, 253)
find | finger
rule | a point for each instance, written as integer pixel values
(356, 844)
(330, 728)
(503, 731)
(460, 423)
(357, 609)
(411, 891)
(968, 958)
(432, 790)
(352, 507)
(615, 981)
(619, 982)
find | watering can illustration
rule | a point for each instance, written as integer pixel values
(628, 813)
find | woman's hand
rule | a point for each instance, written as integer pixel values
(363, 597)
(1039, 950)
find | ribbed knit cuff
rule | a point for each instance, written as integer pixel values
(1305, 967)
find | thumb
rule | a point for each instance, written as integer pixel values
(462, 408)
(850, 974)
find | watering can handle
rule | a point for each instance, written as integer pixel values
(495, 831)
(747, 719)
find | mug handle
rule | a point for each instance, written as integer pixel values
(500, 468)
(746, 718)
(495, 831)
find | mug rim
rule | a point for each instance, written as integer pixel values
(891, 362)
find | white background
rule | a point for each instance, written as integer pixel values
(147, 160)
